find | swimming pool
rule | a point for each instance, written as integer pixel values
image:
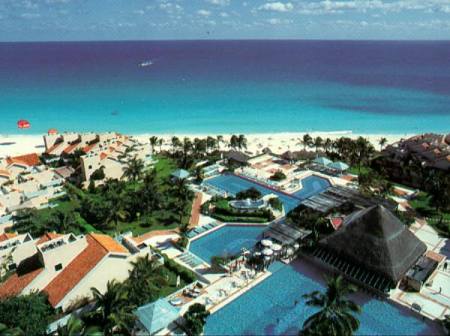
(227, 240)
(269, 309)
(233, 184)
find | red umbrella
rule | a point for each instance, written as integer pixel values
(23, 124)
(52, 131)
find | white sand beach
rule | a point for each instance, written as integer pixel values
(11, 145)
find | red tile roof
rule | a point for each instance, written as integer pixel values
(15, 284)
(47, 237)
(4, 173)
(70, 148)
(27, 160)
(98, 247)
(52, 148)
(73, 273)
(88, 148)
(7, 236)
(108, 243)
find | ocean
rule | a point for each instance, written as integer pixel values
(218, 87)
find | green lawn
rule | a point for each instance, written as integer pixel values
(164, 167)
(355, 170)
(421, 204)
(156, 220)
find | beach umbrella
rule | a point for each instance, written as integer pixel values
(267, 252)
(52, 131)
(341, 166)
(23, 124)
(276, 247)
(323, 161)
(266, 242)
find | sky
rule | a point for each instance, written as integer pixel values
(67, 20)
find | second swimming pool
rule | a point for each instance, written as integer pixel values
(233, 184)
(270, 308)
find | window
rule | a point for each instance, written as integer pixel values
(58, 267)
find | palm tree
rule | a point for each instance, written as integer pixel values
(110, 307)
(234, 141)
(176, 143)
(211, 143)
(318, 143)
(133, 170)
(199, 174)
(219, 141)
(153, 143)
(74, 327)
(336, 314)
(382, 142)
(145, 280)
(160, 143)
(6, 331)
(195, 319)
(327, 144)
(438, 186)
(117, 213)
(241, 142)
(306, 141)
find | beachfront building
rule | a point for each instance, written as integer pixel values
(425, 151)
(66, 267)
(381, 252)
(26, 183)
(271, 170)
(105, 152)
(236, 159)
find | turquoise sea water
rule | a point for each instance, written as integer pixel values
(226, 86)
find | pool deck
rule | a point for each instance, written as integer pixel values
(434, 298)
(221, 292)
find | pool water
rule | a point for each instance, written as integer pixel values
(233, 184)
(269, 309)
(227, 240)
(312, 185)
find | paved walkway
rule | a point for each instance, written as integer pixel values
(434, 297)
(195, 212)
(153, 234)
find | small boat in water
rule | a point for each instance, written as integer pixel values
(145, 64)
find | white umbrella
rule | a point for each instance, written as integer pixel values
(267, 258)
(266, 242)
(276, 247)
(267, 252)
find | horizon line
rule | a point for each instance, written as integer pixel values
(229, 40)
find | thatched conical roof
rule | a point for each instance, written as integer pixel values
(377, 240)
